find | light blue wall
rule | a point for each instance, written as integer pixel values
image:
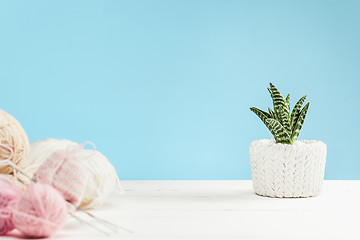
(163, 88)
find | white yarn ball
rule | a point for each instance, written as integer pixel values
(103, 177)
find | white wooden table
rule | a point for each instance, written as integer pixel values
(224, 210)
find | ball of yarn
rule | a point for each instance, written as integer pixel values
(102, 177)
(8, 195)
(13, 135)
(40, 211)
(65, 173)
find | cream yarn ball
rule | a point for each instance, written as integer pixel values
(102, 179)
(13, 135)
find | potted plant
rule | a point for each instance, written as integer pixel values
(285, 167)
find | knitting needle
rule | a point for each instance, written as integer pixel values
(91, 225)
(110, 225)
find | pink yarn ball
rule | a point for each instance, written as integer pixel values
(8, 195)
(40, 211)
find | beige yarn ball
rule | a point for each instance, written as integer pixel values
(103, 178)
(13, 135)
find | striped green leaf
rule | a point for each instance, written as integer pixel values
(296, 111)
(287, 102)
(285, 121)
(272, 114)
(259, 110)
(299, 123)
(280, 107)
(278, 99)
(278, 131)
(261, 114)
(275, 113)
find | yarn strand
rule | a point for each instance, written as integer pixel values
(8, 162)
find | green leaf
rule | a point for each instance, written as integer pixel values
(278, 131)
(262, 115)
(258, 110)
(278, 99)
(287, 102)
(272, 114)
(299, 123)
(281, 109)
(285, 121)
(296, 111)
(275, 113)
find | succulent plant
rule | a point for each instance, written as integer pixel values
(285, 127)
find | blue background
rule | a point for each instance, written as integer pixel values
(163, 88)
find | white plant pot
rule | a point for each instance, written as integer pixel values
(287, 171)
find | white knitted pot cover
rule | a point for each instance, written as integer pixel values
(287, 171)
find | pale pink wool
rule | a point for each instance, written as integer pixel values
(40, 211)
(63, 171)
(8, 195)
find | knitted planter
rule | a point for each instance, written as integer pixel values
(287, 171)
